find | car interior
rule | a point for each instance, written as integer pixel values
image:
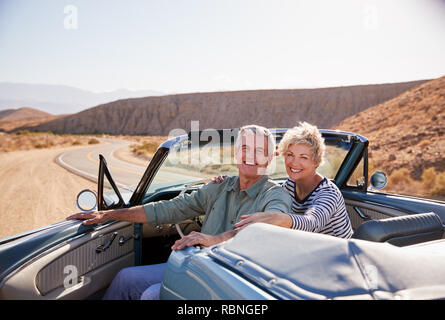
(99, 255)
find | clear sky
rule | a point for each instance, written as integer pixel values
(208, 45)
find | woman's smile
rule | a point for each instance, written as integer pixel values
(299, 162)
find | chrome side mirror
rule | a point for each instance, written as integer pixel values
(378, 180)
(87, 200)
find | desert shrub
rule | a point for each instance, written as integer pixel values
(148, 148)
(33, 134)
(76, 143)
(400, 176)
(439, 186)
(429, 178)
(93, 141)
(23, 133)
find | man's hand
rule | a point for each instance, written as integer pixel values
(195, 238)
(134, 214)
(276, 218)
(94, 217)
(218, 179)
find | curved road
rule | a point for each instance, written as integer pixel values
(85, 162)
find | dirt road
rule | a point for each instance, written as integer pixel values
(35, 191)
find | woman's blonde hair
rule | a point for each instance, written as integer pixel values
(304, 133)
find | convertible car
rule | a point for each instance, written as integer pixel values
(397, 250)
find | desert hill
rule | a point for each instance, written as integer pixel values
(60, 99)
(13, 118)
(407, 131)
(324, 107)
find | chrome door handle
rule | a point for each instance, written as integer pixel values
(102, 247)
(361, 214)
(122, 240)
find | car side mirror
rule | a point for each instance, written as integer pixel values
(378, 180)
(86, 200)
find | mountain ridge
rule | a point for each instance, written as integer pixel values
(10, 119)
(158, 115)
(60, 99)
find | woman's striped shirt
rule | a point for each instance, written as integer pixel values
(323, 210)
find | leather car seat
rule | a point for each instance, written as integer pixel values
(402, 231)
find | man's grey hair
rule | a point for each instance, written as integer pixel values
(257, 130)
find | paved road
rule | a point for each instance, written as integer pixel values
(85, 162)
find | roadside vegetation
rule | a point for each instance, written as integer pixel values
(27, 140)
(431, 183)
(145, 146)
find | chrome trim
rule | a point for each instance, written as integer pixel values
(361, 214)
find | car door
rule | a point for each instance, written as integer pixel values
(365, 203)
(67, 260)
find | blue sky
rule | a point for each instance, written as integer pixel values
(196, 46)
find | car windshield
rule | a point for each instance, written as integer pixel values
(187, 163)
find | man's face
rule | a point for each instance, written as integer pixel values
(252, 155)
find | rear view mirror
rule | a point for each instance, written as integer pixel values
(378, 180)
(86, 200)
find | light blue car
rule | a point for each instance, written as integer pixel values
(397, 251)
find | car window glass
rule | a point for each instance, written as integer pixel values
(110, 196)
(186, 164)
(357, 178)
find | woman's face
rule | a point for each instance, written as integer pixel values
(299, 162)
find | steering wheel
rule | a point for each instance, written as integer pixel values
(205, 181)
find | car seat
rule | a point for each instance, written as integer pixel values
(402, 231)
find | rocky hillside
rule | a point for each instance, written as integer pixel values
(324, 107)
(407, 132)
(14, 118)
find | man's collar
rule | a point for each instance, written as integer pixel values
(252, 191)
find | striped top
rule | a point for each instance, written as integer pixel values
(322, 211)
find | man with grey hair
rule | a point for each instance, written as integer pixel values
(223, 204)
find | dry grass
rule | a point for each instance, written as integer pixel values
(431, 184)
(145, 146)
(26, 140)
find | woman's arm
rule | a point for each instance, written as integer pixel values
(276, 218)
(318, 215)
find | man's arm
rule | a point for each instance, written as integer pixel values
(181, 208)
(134, 214)
(168, 211)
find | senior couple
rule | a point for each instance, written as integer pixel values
(306, 201)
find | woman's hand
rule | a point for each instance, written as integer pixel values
(276, 218)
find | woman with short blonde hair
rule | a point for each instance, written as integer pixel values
(307, 134)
